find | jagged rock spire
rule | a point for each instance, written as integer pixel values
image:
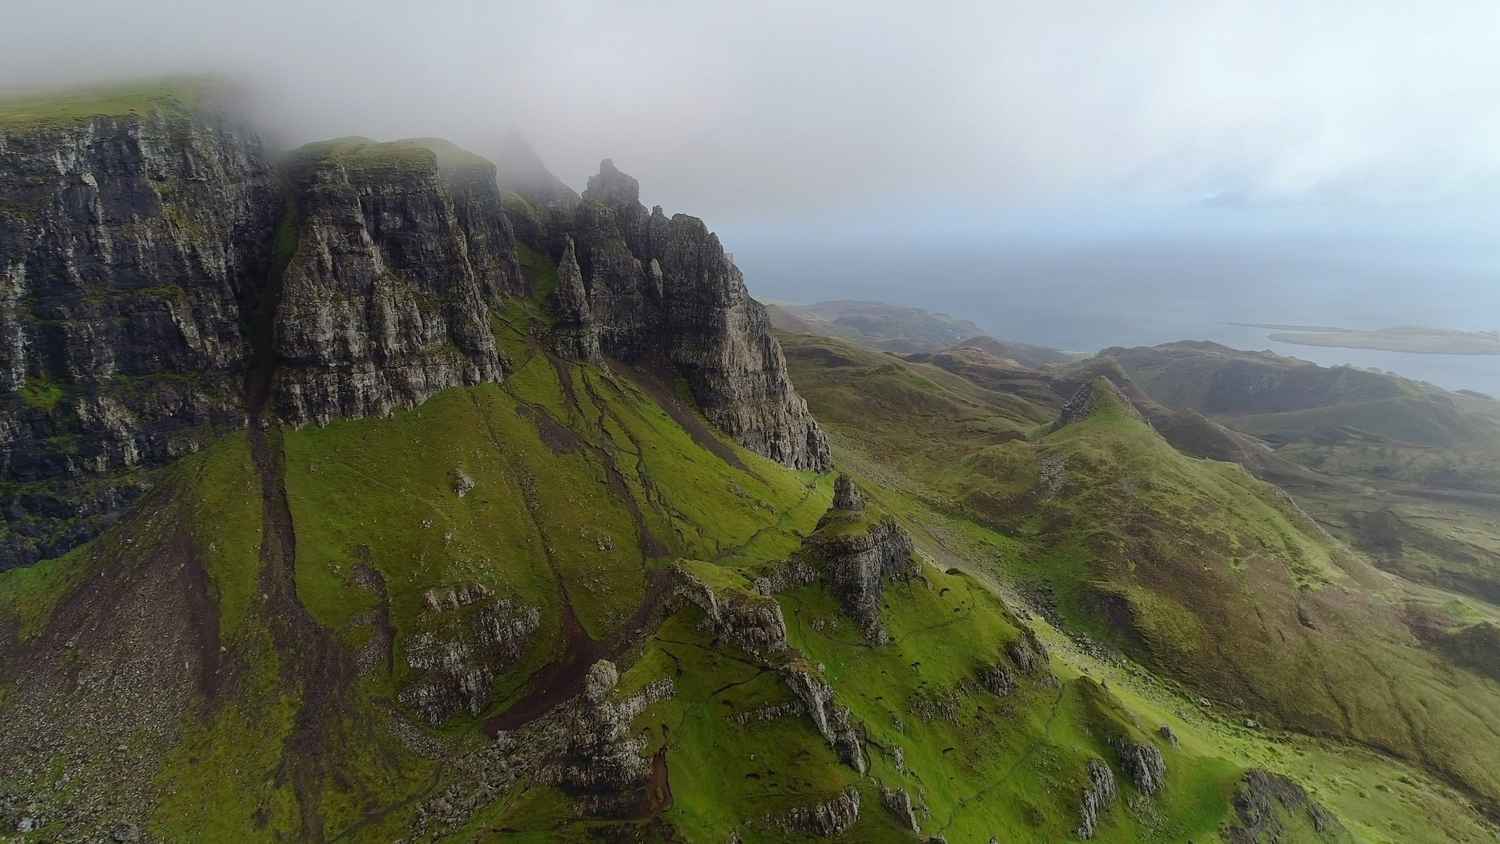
(612, 187)
(575, 336)
(846, 496)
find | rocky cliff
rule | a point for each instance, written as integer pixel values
(154, 264)
(644, 288)
(130, 247)
(385, 296)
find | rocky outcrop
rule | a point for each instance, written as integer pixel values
(790, 575)
(584, 747)
(664, 289)
(996, 679)
(575, 335)
(601, 760)
(1091, 397)
(127, 247)
(846, 496)
(1167, 735)
(898, 802)
(859, 562)
(855, 554)
(1028, 653)
(1098, 796)
(470, 638)
(833, 721)
(1267, 804)
(1142, 763)
(385, 294)
(752, 622)
(827, 819)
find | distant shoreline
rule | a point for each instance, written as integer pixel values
(1403, 340)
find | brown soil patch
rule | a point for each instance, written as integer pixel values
(556, 436)
(312, 661)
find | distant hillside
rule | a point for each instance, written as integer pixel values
(904, 330)
(1106, 517)
(892, 328)
(1407, 472)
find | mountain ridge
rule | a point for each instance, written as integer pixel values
(437, 250)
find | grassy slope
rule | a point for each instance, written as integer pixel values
(381, 492)
(1137, 526)
(1408, 473)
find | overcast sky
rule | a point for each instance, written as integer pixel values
(751, 111)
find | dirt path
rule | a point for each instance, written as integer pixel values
(311, 662)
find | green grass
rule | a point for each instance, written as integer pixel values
(361, 153)
(224, 778)
(584, 484)
(449, 156)
(541, 272)
(1192, 567)
(40, 394)
(61, 108)
(28, 595)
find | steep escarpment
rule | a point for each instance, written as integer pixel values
(641, 287)
(386, 290)
(152, 257)
(130, 243)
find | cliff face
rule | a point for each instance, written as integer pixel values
(385, 296)
(655, 287)
(127, 247)
(154, 265)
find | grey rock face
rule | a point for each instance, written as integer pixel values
(898, 802)
(1143, 763)
(127, 246)
(470, 637)
(143, 257)
(846, 496)
(796, 572)
(997, 680)
(489, 239)
(752, 622)
(827, 819)
(665, 287)
(384, 298)
(584, 747)
(833, 721)
(1028, 654)
(1263, 798)
(575, 335)
(600, 759)
(1098, 796)
(858, 565)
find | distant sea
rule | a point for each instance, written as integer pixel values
(1087, 295)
